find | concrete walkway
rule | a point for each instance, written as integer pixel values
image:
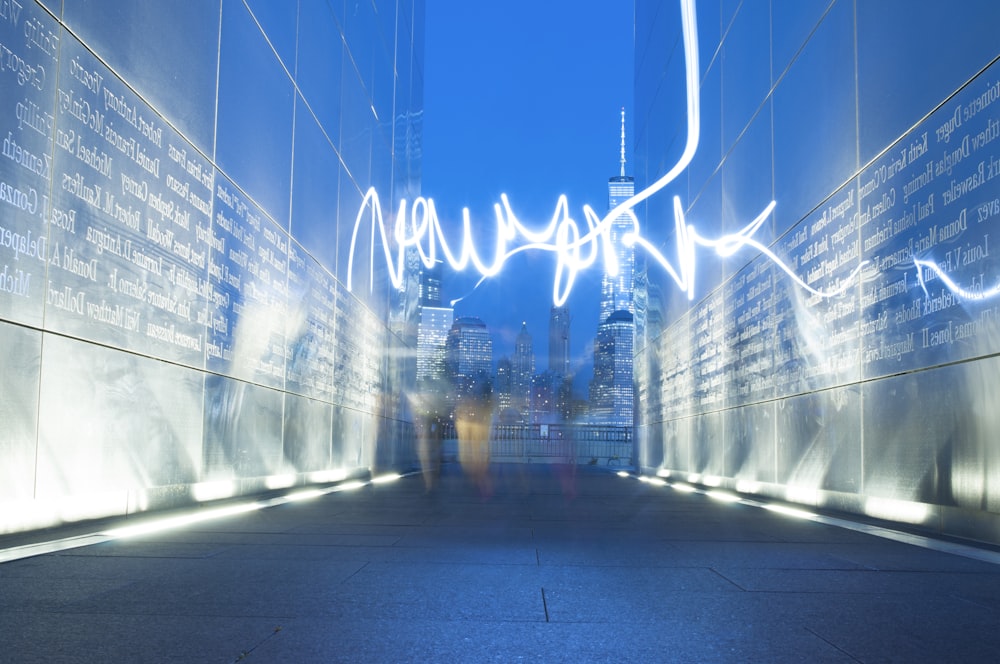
(550, 568)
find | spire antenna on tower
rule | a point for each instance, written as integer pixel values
(623, 142)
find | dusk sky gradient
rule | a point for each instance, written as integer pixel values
(524, 98)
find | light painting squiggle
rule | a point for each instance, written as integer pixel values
(575, 251)
(949, 283)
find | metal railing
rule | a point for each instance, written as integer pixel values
(556, 443)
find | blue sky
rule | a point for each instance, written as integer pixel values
(524, 98)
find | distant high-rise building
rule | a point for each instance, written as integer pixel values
(503, 385)
(468, 354)
(432, 332)
(611, 392)
(559, 341)
(616, 289)
(522, 370)
(543, 399)
(430, 285)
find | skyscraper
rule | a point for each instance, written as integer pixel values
(611, 391)
(432, 330)
(559, 341)
(522, 370)
(430, 285)
(559, 376)
(432, 333)
(503, 386)
(468, 353)
(616, 289)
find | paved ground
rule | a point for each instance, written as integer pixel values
(550, 568)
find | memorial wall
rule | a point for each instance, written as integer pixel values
(875, 128)
(178, 188)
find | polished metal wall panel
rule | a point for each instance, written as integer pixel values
(319, 78)
(358, 368)
(54, 6)
(705, 213)
(889, 103)
(394, 444)
(310, 330)
(255, 113)
(702, 198)
(353, 446)
(243, 429)
(20, 364)
(649, 445)
(146, 187)
(818, 441)
(168, 46)
(671, 445)
(930, 436)
(646, 386)
(314, 198)
(750, 443)
(818, 333)
(751, 334)
(111, 420)
(678, 444)
(130, 271)
(279, 21)
(815, 125)
(249, 284)
(28, 77)
(707, 359)
(878, 391)
(708, 444)
(747, 182)
(677, 376)
(354, 257)
(929, 213)
(356, 133)
(308, 434)
(745, 61)
(792, 24)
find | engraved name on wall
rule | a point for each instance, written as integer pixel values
(931, 199)
(114, 229)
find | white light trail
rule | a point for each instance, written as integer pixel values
(419, 226)
(963, 293)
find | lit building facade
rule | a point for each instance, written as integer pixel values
(522, 364)
(176, 326)
(850, 116)
(559, 321)
(468, 354)
(430, 285)
(543, 407)
(503, 389)
(616, 288)
(560, 371)
(435, 323)
(611, 390)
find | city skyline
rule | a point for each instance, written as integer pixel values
(530, 132)
(594, 296)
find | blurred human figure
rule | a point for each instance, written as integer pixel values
(428, 406)
(473, 416)
(566, 461)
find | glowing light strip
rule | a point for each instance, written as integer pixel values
(950, 283)
(886, 508)
(156, 525)
(575, 251)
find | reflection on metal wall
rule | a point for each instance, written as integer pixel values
(171, 301)
(877, 400)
